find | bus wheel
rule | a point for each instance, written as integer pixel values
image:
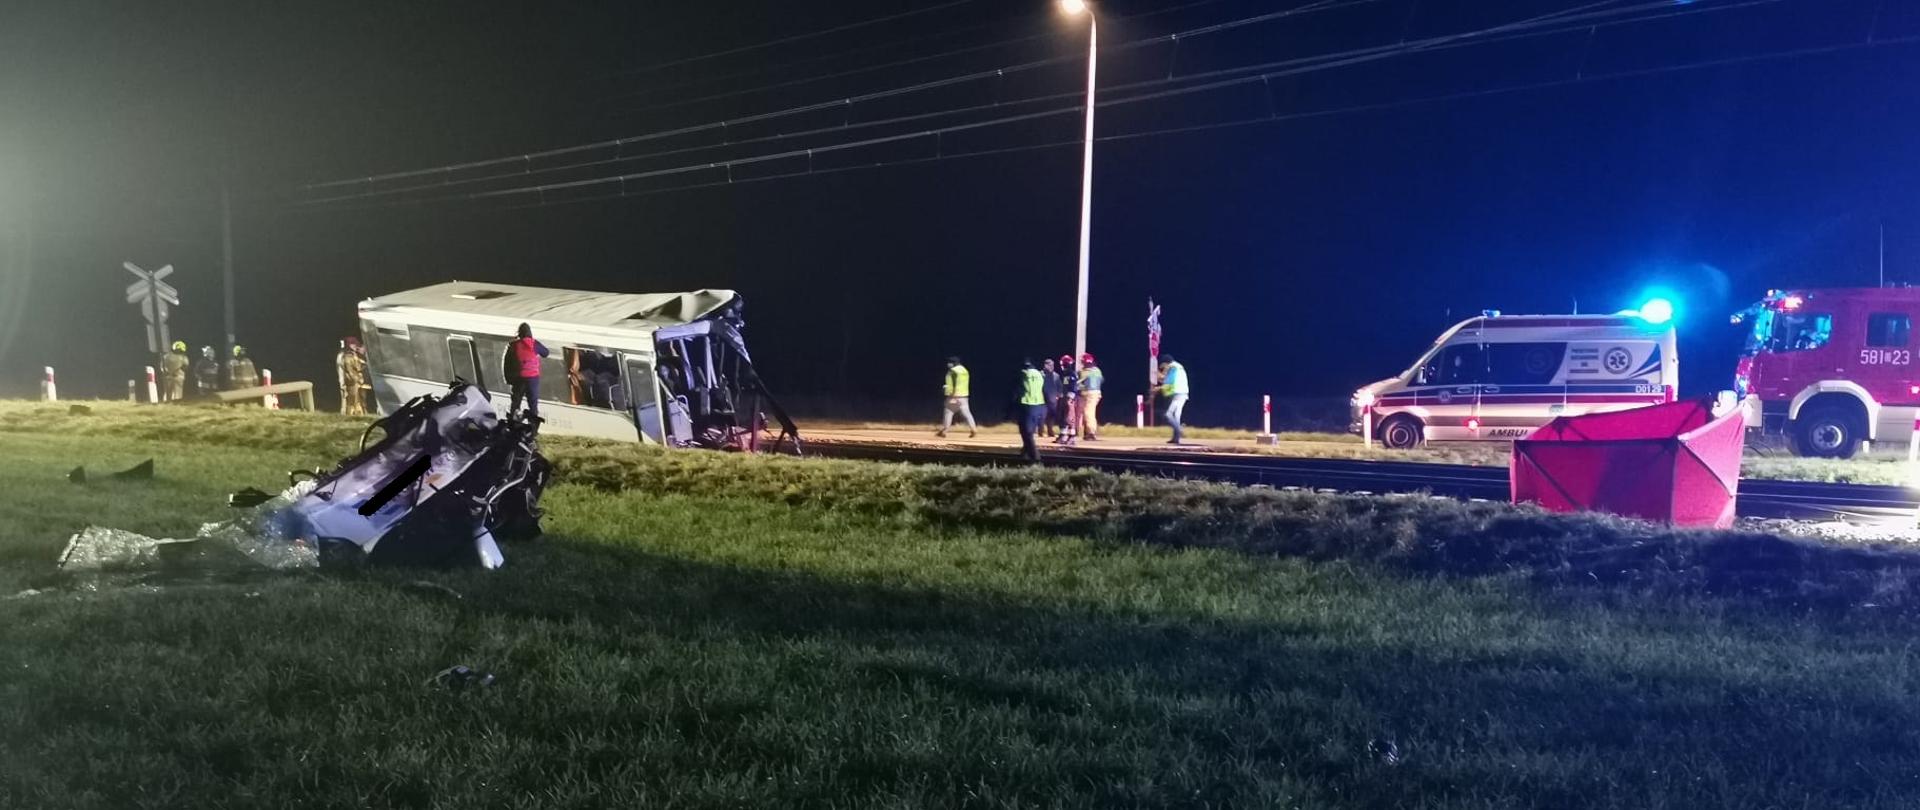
(1826, 433)
(1402, 432)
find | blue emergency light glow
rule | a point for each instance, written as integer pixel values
(1656, 311)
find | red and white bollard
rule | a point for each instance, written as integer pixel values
(153, 387)
(272, 401)
(49, 391)
(1140, 411)
(1366, 420)
(1266, 414)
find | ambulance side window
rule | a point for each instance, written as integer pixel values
(1524, 363)
(1459, 364)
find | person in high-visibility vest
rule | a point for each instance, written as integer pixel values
(1175, 387)
(1091, 381)
(958, 389)
(173, 373)
(240, 370)
(1031, 408)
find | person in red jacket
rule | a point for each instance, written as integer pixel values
(521, 367)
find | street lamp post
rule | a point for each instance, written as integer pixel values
(1075, 8)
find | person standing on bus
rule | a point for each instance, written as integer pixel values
(958, 388)
(1091, 381)
(1173, 386)
(521, 367)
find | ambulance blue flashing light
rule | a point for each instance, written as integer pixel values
(1656, 311)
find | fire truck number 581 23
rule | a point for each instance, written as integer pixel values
(1886, 357)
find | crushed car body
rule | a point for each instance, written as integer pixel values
(447, 481)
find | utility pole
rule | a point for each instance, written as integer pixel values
(226, 264)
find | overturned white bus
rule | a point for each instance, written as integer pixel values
(616, 357)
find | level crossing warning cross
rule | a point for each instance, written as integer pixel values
(153, 296)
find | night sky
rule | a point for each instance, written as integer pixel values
(1298, 257)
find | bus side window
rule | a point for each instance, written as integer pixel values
(460, 355)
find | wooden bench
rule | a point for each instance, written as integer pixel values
(257, 395)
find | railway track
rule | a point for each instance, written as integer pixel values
(1794, 500)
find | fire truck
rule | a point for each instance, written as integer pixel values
(1833, 369)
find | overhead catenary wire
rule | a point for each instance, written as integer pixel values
(1003, 43)
(785, 113)
(1291, 67)
(786, 40)
(1271, 118)
(1575, 17)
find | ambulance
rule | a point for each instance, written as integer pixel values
(1497, 377)
(1832, 368)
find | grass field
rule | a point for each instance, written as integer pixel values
(715, 631)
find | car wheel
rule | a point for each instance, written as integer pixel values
(1826, 433)
(1402, 432)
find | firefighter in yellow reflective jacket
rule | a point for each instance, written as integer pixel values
(240, 370)
(1031, 408)
(173, 373)
(352, 366)
(958, 388)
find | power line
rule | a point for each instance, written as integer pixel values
(528, 157)
(1322, 5)
(1580, 17)
(783, 68)
(1272, 118)
(659, 66)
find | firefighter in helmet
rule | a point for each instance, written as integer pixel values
(173, 372)
(240, 370)
(206, 372)
(352, 364)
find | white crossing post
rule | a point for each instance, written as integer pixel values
(153, 388)
(1140, 411)
(272, 402)
(48, 391)
(1266, 414)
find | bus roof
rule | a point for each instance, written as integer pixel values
(582, 307)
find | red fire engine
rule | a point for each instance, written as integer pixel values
(1834, 369)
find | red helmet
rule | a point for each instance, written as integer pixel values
(1087, 359)
(1066, 360)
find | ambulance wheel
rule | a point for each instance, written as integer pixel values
(1826, 433)
(1402, 432)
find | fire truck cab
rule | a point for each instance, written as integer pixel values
(1833, 368)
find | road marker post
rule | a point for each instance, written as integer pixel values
(153, 388)
(49, 391)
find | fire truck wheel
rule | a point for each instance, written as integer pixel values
(1826, 433)
(1402, 432)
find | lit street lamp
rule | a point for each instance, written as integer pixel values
(1075, 8)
